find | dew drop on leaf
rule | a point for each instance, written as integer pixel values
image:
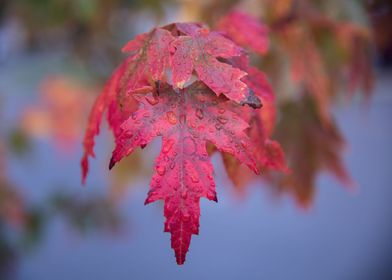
(152, 100)
(184, 194)
(182, 119)
(244, 144)
(161, 170)
(171, 117)
(221, 111)
(222, 120)
(199, 113)
(194, 178)
(185, 217)
(167, 147)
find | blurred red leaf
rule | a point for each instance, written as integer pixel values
(246, 31)
(310, 148)
(62, 103)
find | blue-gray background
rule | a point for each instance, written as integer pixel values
(345, 235)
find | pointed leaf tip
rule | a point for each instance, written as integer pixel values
(111, 163)
(253, 102)
(84, 164)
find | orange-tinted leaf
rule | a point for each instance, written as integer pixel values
(62, 103)
(311, 148)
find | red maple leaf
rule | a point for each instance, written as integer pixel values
(268, 153)
(148, 60)
(150, 95)
(186, 120)
(310, 147)
(246, 31)
(199, 51)
(119, 108)
(150, 56)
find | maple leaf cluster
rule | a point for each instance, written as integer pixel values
(196, 89)
(327, 57)
(317, 57)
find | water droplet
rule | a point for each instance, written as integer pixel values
(171, 117)
(167, 146)
(199, 113)
(244, 144)
(185, 217)
(152, 100)
(161, 170)
(194, 178)
(182, 119)
(172, 165)
(184, 194)
(218, 126)
(134, 116)
(221, 111)
(222, 120)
